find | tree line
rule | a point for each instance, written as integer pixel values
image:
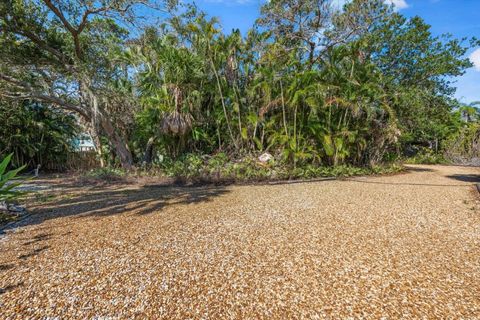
(308, 83)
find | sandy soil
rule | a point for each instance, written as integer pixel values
(403, 246)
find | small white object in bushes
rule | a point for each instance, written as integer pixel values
(265, 157)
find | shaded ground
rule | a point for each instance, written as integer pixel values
(400, 246)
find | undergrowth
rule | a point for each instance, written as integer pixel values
(107, 173)
(427, 156)
(219, 168)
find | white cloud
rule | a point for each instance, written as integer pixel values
(475, 58)
(399, 4)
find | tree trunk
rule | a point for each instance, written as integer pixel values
(98, 117)
(147, 159)
(118, 144)
(98, 144)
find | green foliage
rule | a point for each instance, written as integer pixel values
(219, 168)
(427, 156)
(65, 54)
(35, 133)
(315, 88)
(464, 146)
(347, 104)
(7, 181)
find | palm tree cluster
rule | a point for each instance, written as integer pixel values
(202, 91)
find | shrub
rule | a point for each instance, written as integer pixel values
(7, 186)
(107, 173)
(427, 156)
(221, 168)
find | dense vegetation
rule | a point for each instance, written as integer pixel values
(36, 134)
(312, 85)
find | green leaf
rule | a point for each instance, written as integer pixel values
(244, 133)
(258, 143)
(4, 164)
(338, 143)
(328, 145)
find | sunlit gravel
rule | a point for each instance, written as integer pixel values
(403, 246)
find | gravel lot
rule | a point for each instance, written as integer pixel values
(403, 246)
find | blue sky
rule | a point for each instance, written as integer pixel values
(461, 18)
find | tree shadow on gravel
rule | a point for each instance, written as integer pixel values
(474, 178)
(38, 238)
(5, 267)
(416, 169)
(33, 253)
(10, 287)
(113, 201)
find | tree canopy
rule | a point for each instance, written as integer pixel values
(308, 83)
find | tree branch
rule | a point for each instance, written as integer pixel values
(68, 26)
(30, 93)
(60, 15)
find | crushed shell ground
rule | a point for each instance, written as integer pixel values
(403, 246)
